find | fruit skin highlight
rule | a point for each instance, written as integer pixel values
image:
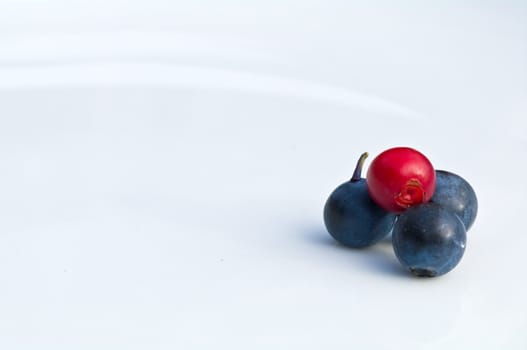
(352, 218)
(455, 193)
(399, 178)
(429, 240)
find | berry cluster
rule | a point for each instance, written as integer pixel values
(427, 211)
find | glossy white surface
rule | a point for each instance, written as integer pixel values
(163, 169)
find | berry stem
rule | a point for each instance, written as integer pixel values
(358, 169)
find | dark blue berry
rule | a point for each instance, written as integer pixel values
(429, 240)
(351, 216)
(455, 193)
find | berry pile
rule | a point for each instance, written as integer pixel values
(427, 211)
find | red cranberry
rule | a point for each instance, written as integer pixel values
(399, 178)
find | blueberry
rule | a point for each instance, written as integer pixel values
(429, 240)
(455, 193)
(351, 216)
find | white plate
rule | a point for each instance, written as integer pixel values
(163, 178)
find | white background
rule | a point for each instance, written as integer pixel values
(164, 164)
